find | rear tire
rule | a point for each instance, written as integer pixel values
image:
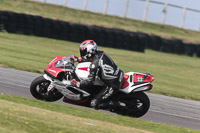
(38, 89)
(135, 105)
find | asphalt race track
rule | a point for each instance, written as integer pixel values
(164, 109)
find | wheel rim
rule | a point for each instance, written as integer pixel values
(42, 87)
(132, 107)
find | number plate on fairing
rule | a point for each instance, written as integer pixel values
(133, 80)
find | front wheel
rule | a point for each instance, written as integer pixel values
(135, 104)
(38, 89)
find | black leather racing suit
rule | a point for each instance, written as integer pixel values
(108, 72)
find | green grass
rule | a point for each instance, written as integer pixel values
(26, 118)
(89, 18)
(22, 115)
(175, 75)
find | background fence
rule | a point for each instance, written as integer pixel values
(145, 10)
(39, 26)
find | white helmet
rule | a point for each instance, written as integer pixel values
(88, 49)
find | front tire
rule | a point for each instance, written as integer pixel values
(38, 89)
(135, 104)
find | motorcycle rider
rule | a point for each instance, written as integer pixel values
(103, 67)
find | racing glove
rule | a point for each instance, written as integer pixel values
(75, 83)
(76, 59)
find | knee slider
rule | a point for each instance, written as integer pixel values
(94, 103)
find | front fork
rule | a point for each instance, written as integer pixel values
(50, 87)
(54, 81)
(62, 87)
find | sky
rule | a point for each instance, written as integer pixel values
(136, 10)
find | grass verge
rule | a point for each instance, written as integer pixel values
(89, 18)
(175, 75)
(25, 118)
(27, 115)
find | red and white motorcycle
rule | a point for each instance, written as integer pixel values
(55, 84)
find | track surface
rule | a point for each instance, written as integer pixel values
(164, 109)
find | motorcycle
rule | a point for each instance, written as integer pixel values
(55, 84)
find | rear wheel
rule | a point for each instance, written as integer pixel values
(39, 87)
(135, 104)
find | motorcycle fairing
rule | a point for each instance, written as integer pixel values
(125, 82)
(57, 65)
(82, 71)
(134, 81)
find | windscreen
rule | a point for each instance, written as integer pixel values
(64, 63)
